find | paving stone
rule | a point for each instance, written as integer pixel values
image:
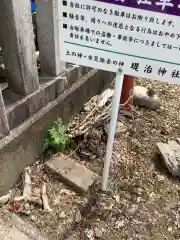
(8, 232)
(15, 234)
(71, 172)
(14, 228)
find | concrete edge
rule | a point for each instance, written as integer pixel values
(24, 227)
(20, 108)
(25, 143)
(20, 129)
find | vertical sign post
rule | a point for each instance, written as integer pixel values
(112, 126)
(141, 37)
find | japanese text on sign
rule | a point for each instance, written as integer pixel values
(140, 36)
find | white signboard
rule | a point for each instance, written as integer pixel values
(140, 36)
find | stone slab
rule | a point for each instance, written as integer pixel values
(12, 233)
(15, 228)
(71, 172)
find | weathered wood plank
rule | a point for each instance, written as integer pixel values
(48, 28)
(4, 127)
(18, 46)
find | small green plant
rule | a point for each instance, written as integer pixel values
(57, 138)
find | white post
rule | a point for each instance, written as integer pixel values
(112, 127)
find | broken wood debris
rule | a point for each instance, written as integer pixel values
(45, 199)
(27, 192)
(100, 108)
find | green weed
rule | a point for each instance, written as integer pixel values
(57, 137)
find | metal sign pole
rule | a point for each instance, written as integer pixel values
(112, 127)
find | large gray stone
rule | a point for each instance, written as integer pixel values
(170, 153)
(71, 172)
(141, 98)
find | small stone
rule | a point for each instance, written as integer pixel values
(107, 205)
(139, 191)
(152, 195)
(62, 215)
(89, 234)
(98, 232)
(117, 198)
(33, 218)
(32, 207)
(119, 224)
(138, 199)
(160, 178)
(70, 220)
(176, 223)
(170, 229)
(27, 206)
(133, 209)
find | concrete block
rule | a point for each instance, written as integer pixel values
(71, 172)
(15, 228)
(15, 234)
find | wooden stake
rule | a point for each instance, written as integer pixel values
(45, 199)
